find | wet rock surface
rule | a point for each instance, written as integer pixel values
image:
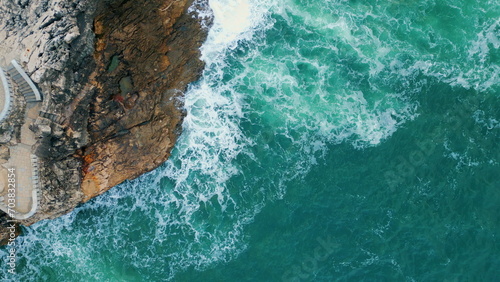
(144, 63)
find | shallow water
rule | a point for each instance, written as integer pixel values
(326, 140)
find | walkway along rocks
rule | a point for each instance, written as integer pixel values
(24, 83)
(19, 174)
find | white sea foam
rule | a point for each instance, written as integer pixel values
(488, 122)
(234, 21)
(488, 38)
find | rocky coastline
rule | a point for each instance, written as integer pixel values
(113, 74)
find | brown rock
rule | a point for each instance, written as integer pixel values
(144, 61)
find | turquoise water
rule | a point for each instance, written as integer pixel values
(326, 141)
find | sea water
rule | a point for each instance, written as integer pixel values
(327, 140)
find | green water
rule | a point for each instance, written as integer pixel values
(326, 141)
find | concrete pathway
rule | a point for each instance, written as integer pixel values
(25, 166)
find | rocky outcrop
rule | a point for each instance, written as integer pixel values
(112, 73)
(138, 80)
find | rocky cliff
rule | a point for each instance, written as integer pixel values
(113, 73)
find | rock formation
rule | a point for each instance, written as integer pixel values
(113, 73)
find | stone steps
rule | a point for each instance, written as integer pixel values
(36, 195)
(53, 117)
(24, 84)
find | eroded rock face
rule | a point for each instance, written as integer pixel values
(112, 72)
(144, 62)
